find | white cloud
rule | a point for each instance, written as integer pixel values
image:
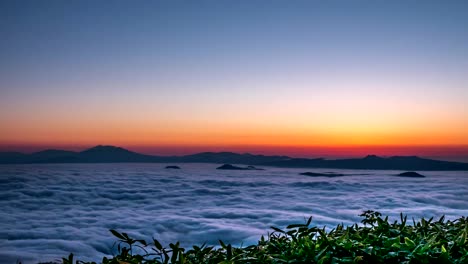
(49, 211)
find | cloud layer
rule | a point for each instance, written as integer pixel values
(49, 211)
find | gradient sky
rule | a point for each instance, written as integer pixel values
(261, 75)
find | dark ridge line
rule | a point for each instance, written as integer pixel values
(112, 154)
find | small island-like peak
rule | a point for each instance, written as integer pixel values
(319, 174)
(410, 174)
(232, 167)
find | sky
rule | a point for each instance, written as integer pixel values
(307, 78)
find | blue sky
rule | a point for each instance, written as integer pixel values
(301, 68)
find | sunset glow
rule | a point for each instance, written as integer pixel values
(179, 80)
(165, 131)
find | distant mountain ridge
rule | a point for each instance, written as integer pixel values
(372, 162)
(112, 154)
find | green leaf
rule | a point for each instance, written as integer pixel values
(117, 234)
(410, 243)
(443, 250)
(157, 244)
(278, 230)
(222, 244)
(295, 226)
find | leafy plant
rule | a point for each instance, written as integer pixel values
(375, 241)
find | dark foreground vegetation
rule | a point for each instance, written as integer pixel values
(376, 241)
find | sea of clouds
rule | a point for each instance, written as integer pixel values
(48, 211)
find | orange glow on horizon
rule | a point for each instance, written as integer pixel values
(232, 137)
(336, 124)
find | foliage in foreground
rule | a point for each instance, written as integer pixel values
(377, 241)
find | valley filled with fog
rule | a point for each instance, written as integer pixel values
(50, 210)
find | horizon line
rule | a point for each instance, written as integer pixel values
(334, 152)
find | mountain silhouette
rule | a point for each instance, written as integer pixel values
(232, 167)
(410, 174)
(12, 157)
(373, 162)
(230, 157)
(112, 154)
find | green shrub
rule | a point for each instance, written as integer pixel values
(376, 241)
